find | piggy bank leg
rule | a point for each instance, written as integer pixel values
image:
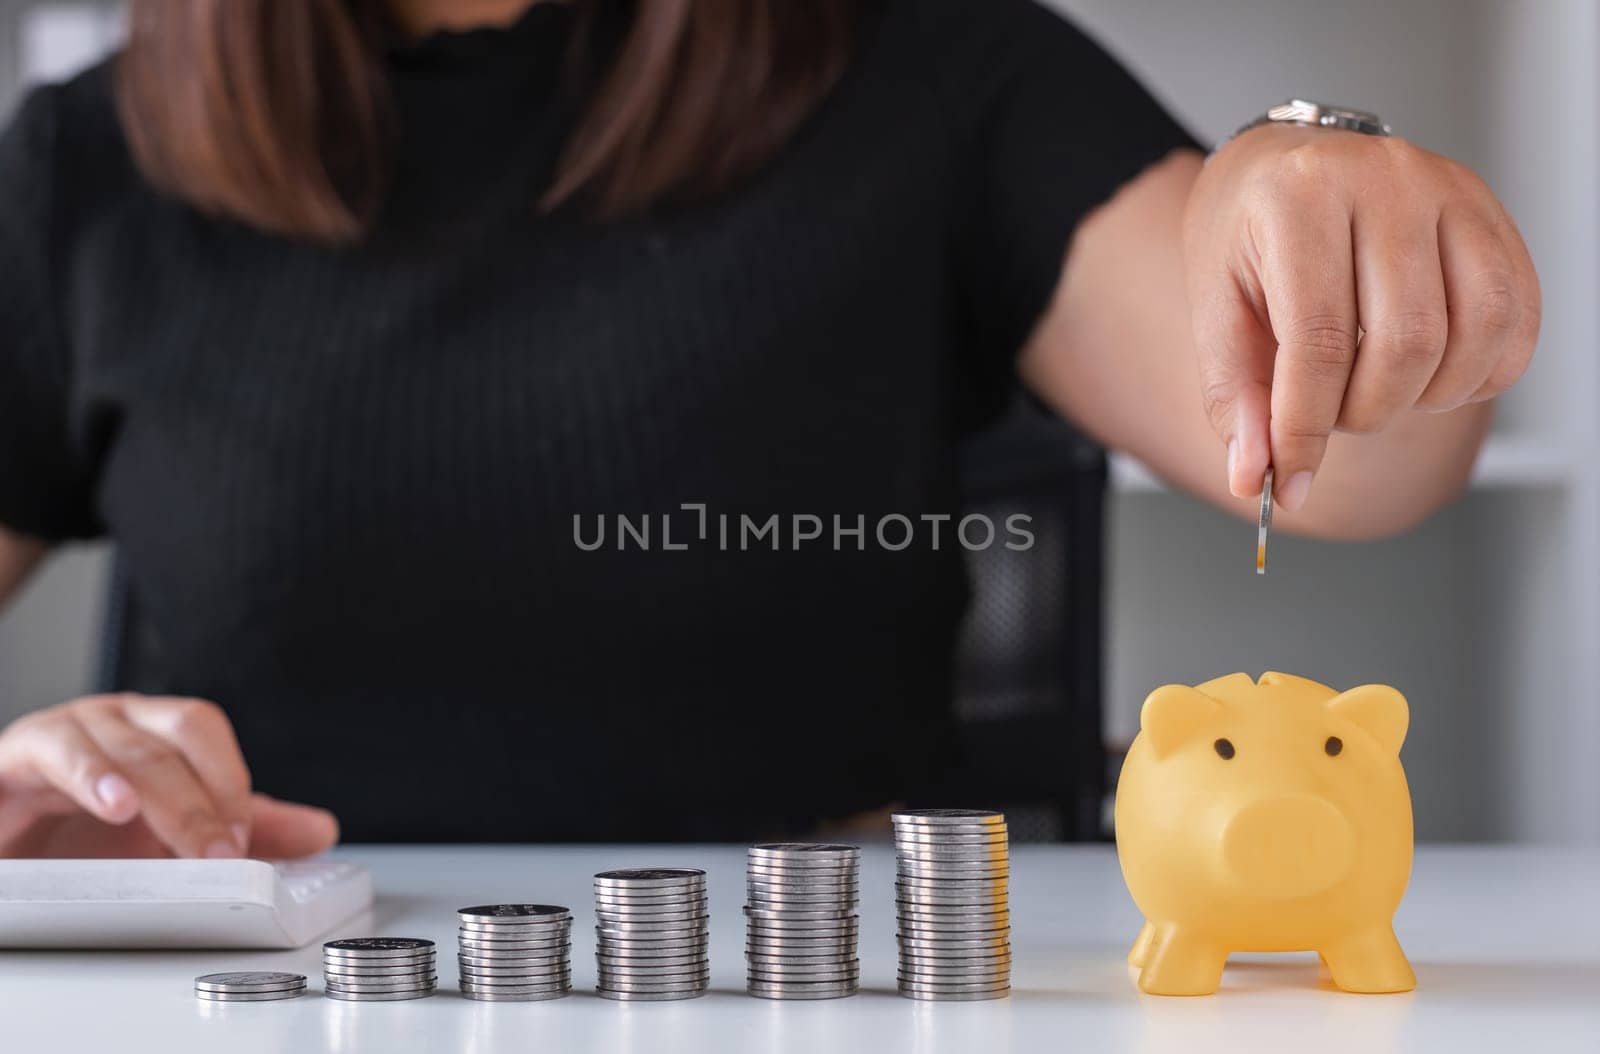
(1370, 961)
(1180, 963)
(1141, 945)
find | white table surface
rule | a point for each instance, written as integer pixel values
(1506, 945)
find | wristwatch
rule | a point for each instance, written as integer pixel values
(1319, 115)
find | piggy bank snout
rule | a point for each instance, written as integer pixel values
(1287, 846)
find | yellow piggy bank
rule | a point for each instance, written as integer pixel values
(1266, 817)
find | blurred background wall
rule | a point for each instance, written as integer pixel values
(1486, 617)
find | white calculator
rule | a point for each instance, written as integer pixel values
(176, 903)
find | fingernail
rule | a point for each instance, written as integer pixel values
(241, 836)
(220, 850)
(1233, 459)
(1292, 495)
(113, 791)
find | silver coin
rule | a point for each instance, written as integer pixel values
(376, 997)
(818, 989)
(653, 972)
(789, 872)
(782, 992)
(651, 895)
(650, 903)
(500, 966)
(660, 962)
(508, 939)
(500, 983)
(943, 893)
(915, 956)
(952, 944)
(803, 849)
(250, 997)
(607, 984)
(625, 949)
(913, 972)
(955, 925)
(513, 997)
(927, 910)
(379, 946)
(514, 933)
(614, 932)
(802, 914)
(397, 973)
(802, 971)
(1264, 521)
(381, 984)
(760, 903)
(248, 981)
(630, 916)
(786, 872)
(839, 924)
(944, 985)
(518, 912)
(773, 945)
(955, 997)
(660, 877)
(819, 979)
(813, 962)
(912, 840)
(649, 997)
(946, 816)
(480, 951)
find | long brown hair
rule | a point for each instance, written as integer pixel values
(276, 112)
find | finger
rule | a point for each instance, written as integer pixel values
(1401, 299)
(204, 736)
(1485, 301)
(284, 830)
(173, 801)
(1514, 360)
(1308, 280)
(55, 749)
(1234, 348)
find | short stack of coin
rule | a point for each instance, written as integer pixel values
(249, 986)
(652, 928)
(372, 969)
(515, 952)
(952, 869)
(801, 920)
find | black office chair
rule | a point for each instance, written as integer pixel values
(1028, 675)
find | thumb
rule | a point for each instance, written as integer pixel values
(284, 830)
(1236, 351)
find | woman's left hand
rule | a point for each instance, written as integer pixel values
(1337, 280)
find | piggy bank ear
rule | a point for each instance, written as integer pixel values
(1172, 713)
(1377, 708)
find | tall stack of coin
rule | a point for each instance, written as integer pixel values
(952, 868)
(249, 986)
(369, 969)
(801, 920)
(652, 928)
(515, 952)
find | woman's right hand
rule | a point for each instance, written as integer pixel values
(141, 776)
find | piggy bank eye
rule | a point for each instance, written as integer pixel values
(1224, 749)
(1333, 746)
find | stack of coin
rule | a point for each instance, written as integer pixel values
(515, 952)
(952, 867)
(801, 920)
(249, 986)
(652, 929)
(369, 969)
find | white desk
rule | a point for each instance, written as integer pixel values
(1506, 945)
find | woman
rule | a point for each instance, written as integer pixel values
(339, 317)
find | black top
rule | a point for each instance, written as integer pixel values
(344, 484)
